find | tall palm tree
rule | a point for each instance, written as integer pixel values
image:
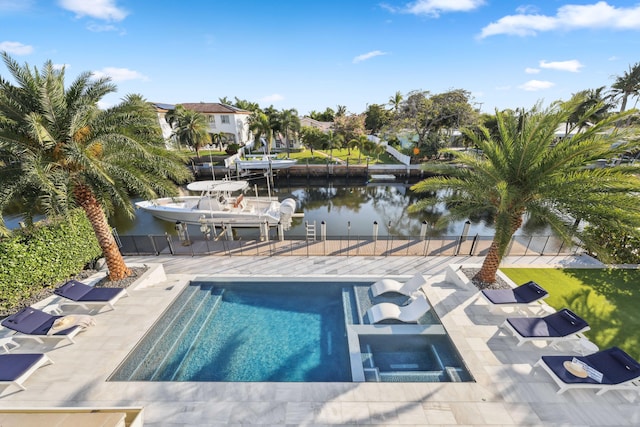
(218, 139)
(66, 152)
(522, 172)
(360, 142)
(341, 110)
(290, 122)
(627, 85)
(395, 101)
(190, 128)
(260, 126)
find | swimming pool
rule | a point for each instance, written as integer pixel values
(274, 332)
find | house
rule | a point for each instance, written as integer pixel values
(232, 122)
(309, 122)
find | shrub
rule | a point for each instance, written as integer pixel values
(43, 255)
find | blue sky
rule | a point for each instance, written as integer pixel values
(310, 55)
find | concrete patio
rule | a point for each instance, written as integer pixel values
(507, 390)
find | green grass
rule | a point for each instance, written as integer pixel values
(608, 299)
(320, 157)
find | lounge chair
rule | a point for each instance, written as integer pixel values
(33, 323)
(411, 312)
(525, 295)
(16, 368)
(619, 371)
(78, 293)
(559, 326)
(390, 285)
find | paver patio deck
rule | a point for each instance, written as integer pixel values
(506, 391)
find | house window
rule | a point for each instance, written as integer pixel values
(212, 119)
(224, 120)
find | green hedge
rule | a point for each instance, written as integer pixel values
(42, 256)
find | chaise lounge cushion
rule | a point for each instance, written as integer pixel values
(77, 291)
(32, 321)
(523, 294)
(12, 366)
(559, 324)
(606, 361)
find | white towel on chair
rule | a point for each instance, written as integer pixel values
(66, 322)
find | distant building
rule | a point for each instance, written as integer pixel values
(230, 121)
(309, 122)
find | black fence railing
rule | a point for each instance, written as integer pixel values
(342, 246)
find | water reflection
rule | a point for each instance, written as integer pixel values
(345, 209)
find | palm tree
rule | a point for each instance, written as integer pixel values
(522, 172)
(218, 139)
(627, 85)
(66, 152)
(395, 101)
(260, 126)
(360, 142)
(333, 140)
(290, 122)
(190, 128)
(341, 111)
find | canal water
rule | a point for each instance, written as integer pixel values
(346, 210)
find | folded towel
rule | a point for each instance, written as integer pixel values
(69, 321)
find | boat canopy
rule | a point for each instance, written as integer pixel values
(226, 186)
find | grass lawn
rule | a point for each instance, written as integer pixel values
(608, 299)
(320, 157)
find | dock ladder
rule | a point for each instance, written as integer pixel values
(311, 230)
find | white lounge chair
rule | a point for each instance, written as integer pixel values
(16, 368)
(407, 313)
(390, 285)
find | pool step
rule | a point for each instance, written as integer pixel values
(170, 326)
(181, 342)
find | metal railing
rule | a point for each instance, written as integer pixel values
(342, 246)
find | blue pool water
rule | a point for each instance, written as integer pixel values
(246, 332)
(288, 332)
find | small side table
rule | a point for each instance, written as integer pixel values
(8, 344)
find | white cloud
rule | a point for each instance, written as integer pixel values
(61, 66)
(16, 48)
(119, 74)
(530, 70)
(275, 97)
(436, 7)
(368, 55)
(535, 85)
(98, 28)
(572, 65)
(100, 9)
(569, 17)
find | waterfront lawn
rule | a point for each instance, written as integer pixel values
(608, 299)
(320, 157)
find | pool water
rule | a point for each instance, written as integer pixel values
(289, 332)
(245, 332)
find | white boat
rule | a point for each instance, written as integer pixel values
(265, 162)
(221, 202)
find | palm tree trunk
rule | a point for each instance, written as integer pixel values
(118, 270)
(498, 248)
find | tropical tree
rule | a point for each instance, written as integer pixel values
(523, 173)
(395, 101)
(66, 152)
(376, 117)
(260, 126)
(627, 85)
(360, 142)
(587, 100)
(290, 124)
(341, 110)
(189, 128)
(218, 139)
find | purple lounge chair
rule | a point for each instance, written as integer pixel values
(619, 371)
(559, 326)
(16, 368)
(83, 295)
(33, 323)
(525, 295)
